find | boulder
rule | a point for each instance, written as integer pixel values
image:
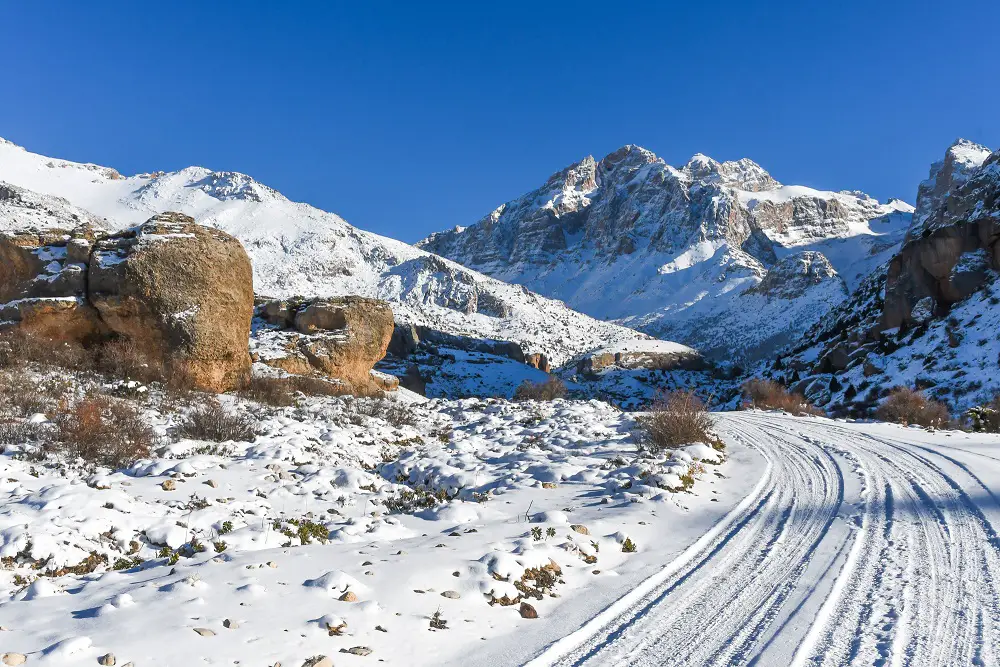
(341, 338)
(182, 293)
(632, 355)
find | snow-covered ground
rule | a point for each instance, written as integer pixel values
(428, 507)
(862, 544)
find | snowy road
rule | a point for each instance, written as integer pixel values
(861, 545)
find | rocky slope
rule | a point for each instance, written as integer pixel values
(684, 253)
(297, 249)
(927, 318)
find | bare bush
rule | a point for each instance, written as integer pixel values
(549, 390)
(396, 413)
(909, 407)
(20, 396)
(213, 422)
(769, 395)
(283, 391)
(122, 358)
(675, 419)
(104, 431)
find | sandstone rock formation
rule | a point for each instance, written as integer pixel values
(182, 293)
(340, 338)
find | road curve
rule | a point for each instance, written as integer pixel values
(854, 549)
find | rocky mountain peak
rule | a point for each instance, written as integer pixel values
(946, 176)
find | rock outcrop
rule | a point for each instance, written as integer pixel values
(182, 293)
(341, 338)
(953, 243)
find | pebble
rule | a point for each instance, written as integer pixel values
(232, 625)
(349, 596)
(168, 485)
(108, 659)
(527, 611)
(357, 650)
(212, 483)
(205, 632)
(580, 528)
(451, 595)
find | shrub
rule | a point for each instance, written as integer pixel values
(675, 419)
(20, 396)
(122, 358)
(213, 422)
(906, 406)
(769, 395)
(549, 390)
(388, 410)
(986, 418)
(104, 431)
(282, 392)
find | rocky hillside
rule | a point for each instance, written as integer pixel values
(720, 256)
(928, 318)
(297, 249)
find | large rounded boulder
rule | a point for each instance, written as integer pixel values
(182, 293)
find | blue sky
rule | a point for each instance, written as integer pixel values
(407, 119)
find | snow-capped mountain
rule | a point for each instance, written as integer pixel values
(927, 318)
(297, 249)
(684, 253)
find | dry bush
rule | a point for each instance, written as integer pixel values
(17, 348)
(674, 419)
(22, 432)
(282, 391)
(122, 358)
(105, 431)
(549, 390)
(396, 413)
(20, 396)
(906, 406)
(213, 422)
(769, 395)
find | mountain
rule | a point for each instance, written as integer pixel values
(297, 249)
(685, 254)
(929, 317)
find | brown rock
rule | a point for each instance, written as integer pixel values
(539, 361)
(348, 596)
(579, 528)
(527, 611)
(182, 293)
(341, 338)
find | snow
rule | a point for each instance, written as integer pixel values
(498, 469)
(646, 346)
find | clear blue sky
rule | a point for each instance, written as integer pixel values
(407, 120)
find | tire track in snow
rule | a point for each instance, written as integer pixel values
(913, 582)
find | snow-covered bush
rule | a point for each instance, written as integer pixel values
(910, 407)
(985, 418)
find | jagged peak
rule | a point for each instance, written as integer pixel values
(968, 152)
(629, 153)
(743, 174)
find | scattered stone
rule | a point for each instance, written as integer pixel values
(527, 611)
(357, 650)
(12, 659)
(168, 485)
(108, 659)
(212, 483)
(380, 628)
(272, 564)
(318, 661)
(348, 596)
(231, 624)
(456, 574)
(205, 632)
(548, 485)
(580, 528)
(369, 573)
(366, 563)
(451, 595)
